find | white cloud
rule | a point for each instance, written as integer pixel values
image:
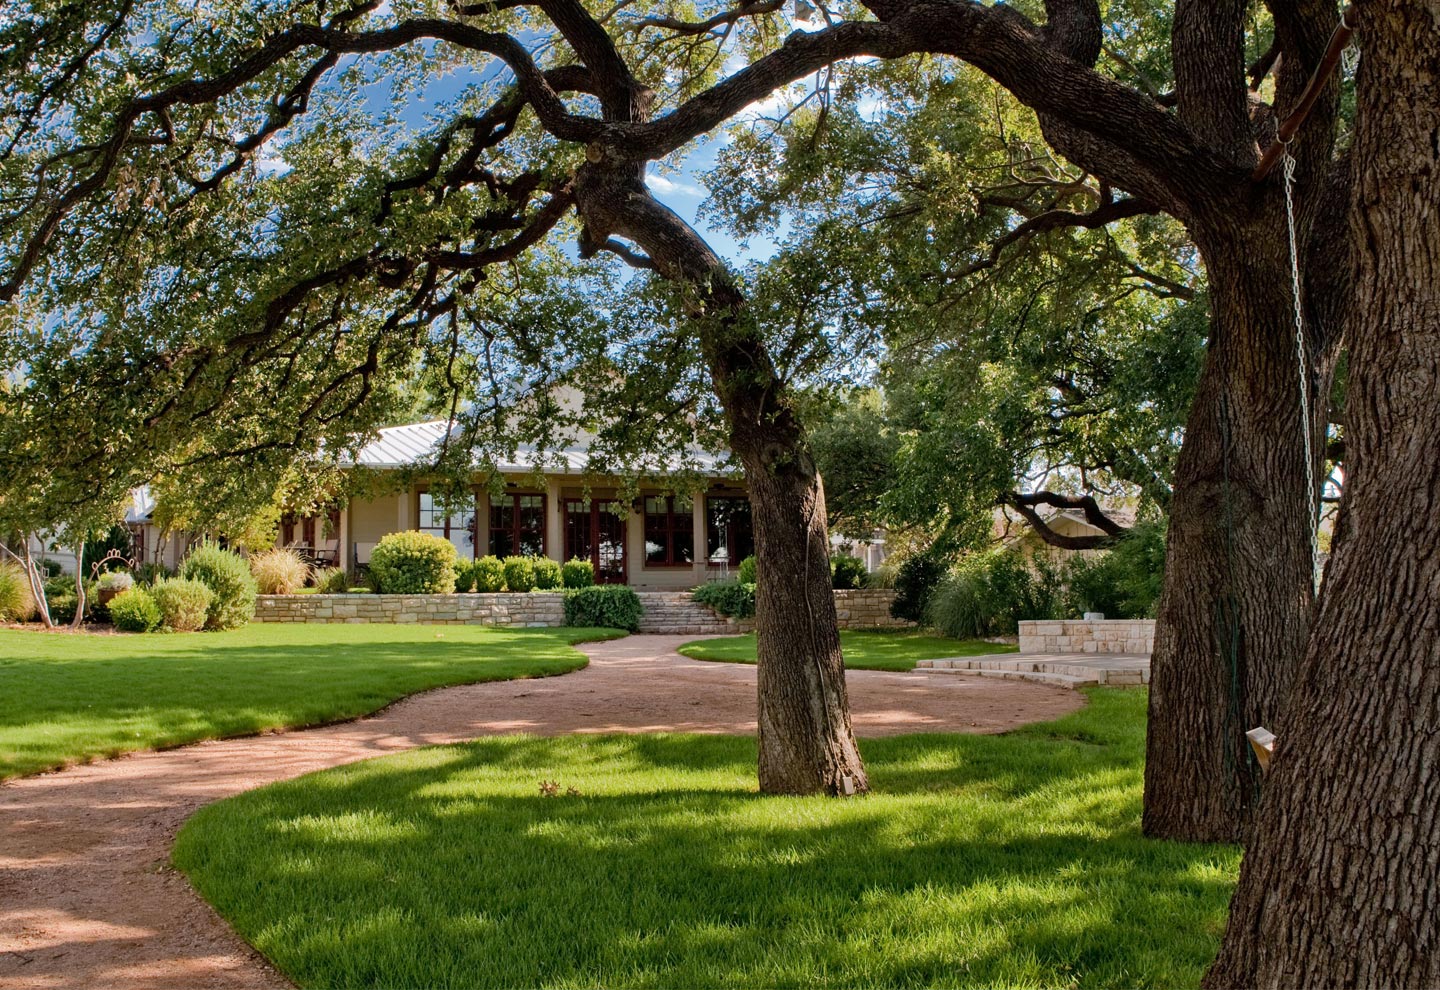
(669, 187)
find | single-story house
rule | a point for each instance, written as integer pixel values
(657, 540)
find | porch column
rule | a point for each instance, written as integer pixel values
(554, 520)
(701, 538)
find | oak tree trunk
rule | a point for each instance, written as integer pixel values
(1341, 885)
(806, 742)
(1238, 581)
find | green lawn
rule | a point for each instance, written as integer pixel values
(863, 650)
(980, 861)
(66, 698)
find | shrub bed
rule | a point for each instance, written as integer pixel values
(611, 606)
(733, 598)
(228, 577)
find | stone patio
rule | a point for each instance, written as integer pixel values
(1068, 670)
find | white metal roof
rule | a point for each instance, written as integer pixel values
(416, 443)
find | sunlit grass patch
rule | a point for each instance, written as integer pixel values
(1011, 860)
(863, 650)
(69, 698)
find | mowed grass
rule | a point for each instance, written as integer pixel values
(66, 698)
(863, 650)
(979, 861)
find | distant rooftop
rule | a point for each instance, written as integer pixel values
(418, 443)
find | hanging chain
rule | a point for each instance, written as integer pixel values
(1301, 352)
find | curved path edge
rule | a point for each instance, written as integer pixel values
(87, 896)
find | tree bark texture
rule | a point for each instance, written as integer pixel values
(806, 742)
(1341, 885)
(1234, 612)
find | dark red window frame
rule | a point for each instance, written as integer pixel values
(667, 525)
(514, 527)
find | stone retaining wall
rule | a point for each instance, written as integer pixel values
(537, 609)
(1088, 636)
(867, 608)
(863, 608)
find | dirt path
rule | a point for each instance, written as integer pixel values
(86, 897)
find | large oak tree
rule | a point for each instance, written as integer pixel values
(129, 171)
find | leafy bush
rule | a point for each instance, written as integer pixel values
(280, 571)
(17, 603)
(49, 568)
(184, 604)
(116, 581)
(150, 573)
(489, 574)
(1123, 582)
(613, 606)
(733, 598)
(133, 610)
(60, 595)
(330, 580)
(847, 571)
(749, 570)
(519, 573)
(988, 593)
(548, 574)
(915, 581)
(577, 573)
(228, 576)
(413, 563)
(464, 576)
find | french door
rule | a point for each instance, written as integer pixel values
(597, 533)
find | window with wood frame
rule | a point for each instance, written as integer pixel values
(669, 531)
(729, 532)
(456, 525)
(517, 525)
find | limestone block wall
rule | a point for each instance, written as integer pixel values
(1092, 636)
(536, 609)
(867, 608)
(863, 608)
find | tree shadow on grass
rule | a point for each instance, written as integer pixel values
(447, 867)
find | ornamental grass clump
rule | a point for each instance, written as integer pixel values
(17, 603)
(184, 604)
(413, 563)
(133, 610)
(519, 574)
(330, 580)
(577, 573)
(228, 577)
(548, 574)
(281, 571)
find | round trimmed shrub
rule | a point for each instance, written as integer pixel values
(519, 574)
(613, 606)
(489, 574)
(184, 605)
(577, 573)
(280, 571)
(847, 571)
(464, 576)
(228, 577)
(133, 610)
(748, 570)
(17, 604)
(548, 574)
(413, 563)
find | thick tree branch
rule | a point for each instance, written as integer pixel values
(1025, 504)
